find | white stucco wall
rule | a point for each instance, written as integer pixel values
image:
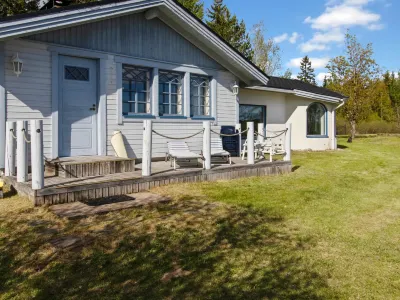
(284, 108)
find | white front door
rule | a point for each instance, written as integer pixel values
(77, 106)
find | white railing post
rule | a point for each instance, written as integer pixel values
(10, 149)
(147, 147)
(238, 128)
(261, 131)
(250, 143)
(207, 144)
(288, 143)
(22, 155)
(37, 160)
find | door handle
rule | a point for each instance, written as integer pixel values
(93, 107)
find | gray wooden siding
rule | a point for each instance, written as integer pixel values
(29, 96)
(133, 131)
(131, 35)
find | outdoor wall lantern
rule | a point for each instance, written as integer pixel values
(17, 64)
(235, 89)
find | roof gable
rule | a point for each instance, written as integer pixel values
(169, 11)
(131, 35)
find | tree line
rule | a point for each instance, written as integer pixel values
(371, 92)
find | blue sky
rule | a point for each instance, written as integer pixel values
(316, 28)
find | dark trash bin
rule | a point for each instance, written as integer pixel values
(231, 143)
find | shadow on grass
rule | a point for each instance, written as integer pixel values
(340, 146)
(182, 250)
(295, 168)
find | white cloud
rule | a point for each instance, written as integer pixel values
(293, 39)
(310, 46)
(281, 38)
(320, 40)
(376, 26)
(320, 77)
(316, 62)
(338, 16)
(343, 16)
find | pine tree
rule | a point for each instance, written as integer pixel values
(15, 7)
(195, 6)
(229, 28)
(306, 71)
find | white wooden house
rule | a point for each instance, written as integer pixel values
(89, 70)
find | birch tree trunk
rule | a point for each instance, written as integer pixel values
(352, 131)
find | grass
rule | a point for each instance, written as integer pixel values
(329, 230)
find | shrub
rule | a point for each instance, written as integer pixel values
(371, 127)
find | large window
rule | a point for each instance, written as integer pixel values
(135, 90)
(200, 99)
(170, 93)
(252, 113)
(316, 119)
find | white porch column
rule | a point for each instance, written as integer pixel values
(260, 130)
(37, 160)
(288, 143)
(207, 144)
(10, 149)
(250, 143)
(3, 107)
(22, 155)
(147, 147)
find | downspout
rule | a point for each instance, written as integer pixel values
(3, 108)
(334, 140)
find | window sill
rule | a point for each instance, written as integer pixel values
(172, 117)
(139, 117)
(205, 118)
(317, 136)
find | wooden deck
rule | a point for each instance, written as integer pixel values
(65, 190)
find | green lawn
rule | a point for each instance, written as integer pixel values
(329, 230)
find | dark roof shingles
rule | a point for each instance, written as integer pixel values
(295, 84)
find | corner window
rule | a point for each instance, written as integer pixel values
(135, 90)
(170, 93)
(316, 119)
(200, 96)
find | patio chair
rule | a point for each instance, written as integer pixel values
(257, 149)
(179, 150)
(217, 150)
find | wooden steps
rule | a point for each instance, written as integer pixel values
(89, 166)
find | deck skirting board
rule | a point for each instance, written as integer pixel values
(72, 193)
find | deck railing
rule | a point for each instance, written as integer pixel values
(16, 157)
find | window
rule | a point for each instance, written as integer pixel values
(76, 73)
(200, 96)
(170, 93)
(316, 119)
(252, 113)
(135, 90)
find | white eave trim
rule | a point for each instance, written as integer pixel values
(299, 93)
(62, 19)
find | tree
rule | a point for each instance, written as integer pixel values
(356, 76)
(306, 71)
(229, 28)
(14, 7)
(288, 74)
(195, 6)
(393, 85)
(266, 53)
